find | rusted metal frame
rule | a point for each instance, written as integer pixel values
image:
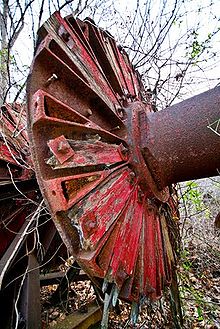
(30, 298)
(136, 112)
(176, 143)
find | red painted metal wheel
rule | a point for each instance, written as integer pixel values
(85, 103)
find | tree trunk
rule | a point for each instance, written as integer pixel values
(4, 52)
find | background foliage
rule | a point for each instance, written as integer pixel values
(173, 43)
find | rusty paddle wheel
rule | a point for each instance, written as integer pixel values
(86, 107)
(106, 162)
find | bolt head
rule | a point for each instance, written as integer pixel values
(62, 147)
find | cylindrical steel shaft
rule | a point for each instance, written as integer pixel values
(178, 145)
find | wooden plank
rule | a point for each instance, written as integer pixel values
(55, 278)
(79, 320)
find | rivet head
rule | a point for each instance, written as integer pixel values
(132, 178)
(53, 78)
(89, 113)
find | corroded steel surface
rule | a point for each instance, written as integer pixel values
(85, 105)
(178, 145)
